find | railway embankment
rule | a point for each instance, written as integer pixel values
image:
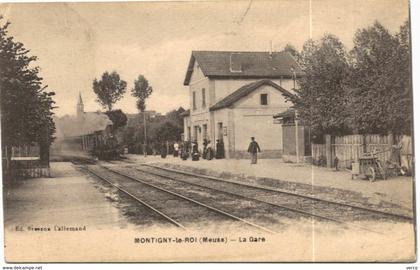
(391, 195)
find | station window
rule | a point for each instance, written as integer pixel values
(220, 131)
(264, 99)
(195, 135)
(205, 135)
(194, 102)
(203, 97)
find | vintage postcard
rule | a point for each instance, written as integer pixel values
(207, 131)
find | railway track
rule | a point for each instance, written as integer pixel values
(176, 208)
(306, 205)
(216, 199)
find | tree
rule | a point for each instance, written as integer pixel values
(175, 117)
(109, 89)
(142, 90)
(160, 128)
(118, 118)
(293, 51)
(322, 94)
(380, 81)
(403, 78)
(26, 105)
(168, 131)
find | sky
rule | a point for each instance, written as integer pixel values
(76, 42)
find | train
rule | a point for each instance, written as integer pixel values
(101, 145)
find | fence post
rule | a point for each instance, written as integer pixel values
(394, 153)
(297, 136)
(364, 146)
(390, 140)
(328, 150)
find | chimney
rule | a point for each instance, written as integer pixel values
(235, 63)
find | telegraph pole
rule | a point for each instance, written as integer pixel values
(145, 135)
(297, 135)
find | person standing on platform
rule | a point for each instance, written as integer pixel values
(195, 155)
(176, 149)
(205, 143)
(253, 149)
(220, 149)
(209, 151)
(183, 151)
(163, 150)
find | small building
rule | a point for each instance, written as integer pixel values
(296, 137)
(234, 96)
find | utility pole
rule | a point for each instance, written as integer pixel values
(297, 135)
(145, 135)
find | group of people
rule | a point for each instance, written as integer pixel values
(209, 152)
(186, 149)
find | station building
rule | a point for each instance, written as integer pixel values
(234, 96)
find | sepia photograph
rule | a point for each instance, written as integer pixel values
(207, 131)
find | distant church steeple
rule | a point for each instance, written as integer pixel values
(80, 108)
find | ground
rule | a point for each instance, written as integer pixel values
(71, 198)
(397, 190)
(68, 198)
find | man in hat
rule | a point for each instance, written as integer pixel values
(253, 149)
(195, 155)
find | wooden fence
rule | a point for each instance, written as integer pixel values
(25, 161)
(348, 149)
(26, 150)
(318, 153)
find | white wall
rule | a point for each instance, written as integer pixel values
(226, 87)
(201, 115)
(187, 123)
(197, 83)
(255, 120)
(276, 99)
(267, 134)
(220, 116)
(197, 73)
(223, 88)
(286, 84)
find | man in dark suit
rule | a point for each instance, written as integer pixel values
(253, 149)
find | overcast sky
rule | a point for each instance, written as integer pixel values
(77, 42)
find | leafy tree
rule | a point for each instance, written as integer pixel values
(168, 131)
(161, 128)
(380, 81)
(293, 51)
(321, 96)
(403, 79)
(109, 89)
(26, 106)
(142, 90)
(118, 118)
(175, 117)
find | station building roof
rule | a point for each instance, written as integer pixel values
(231, 64)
